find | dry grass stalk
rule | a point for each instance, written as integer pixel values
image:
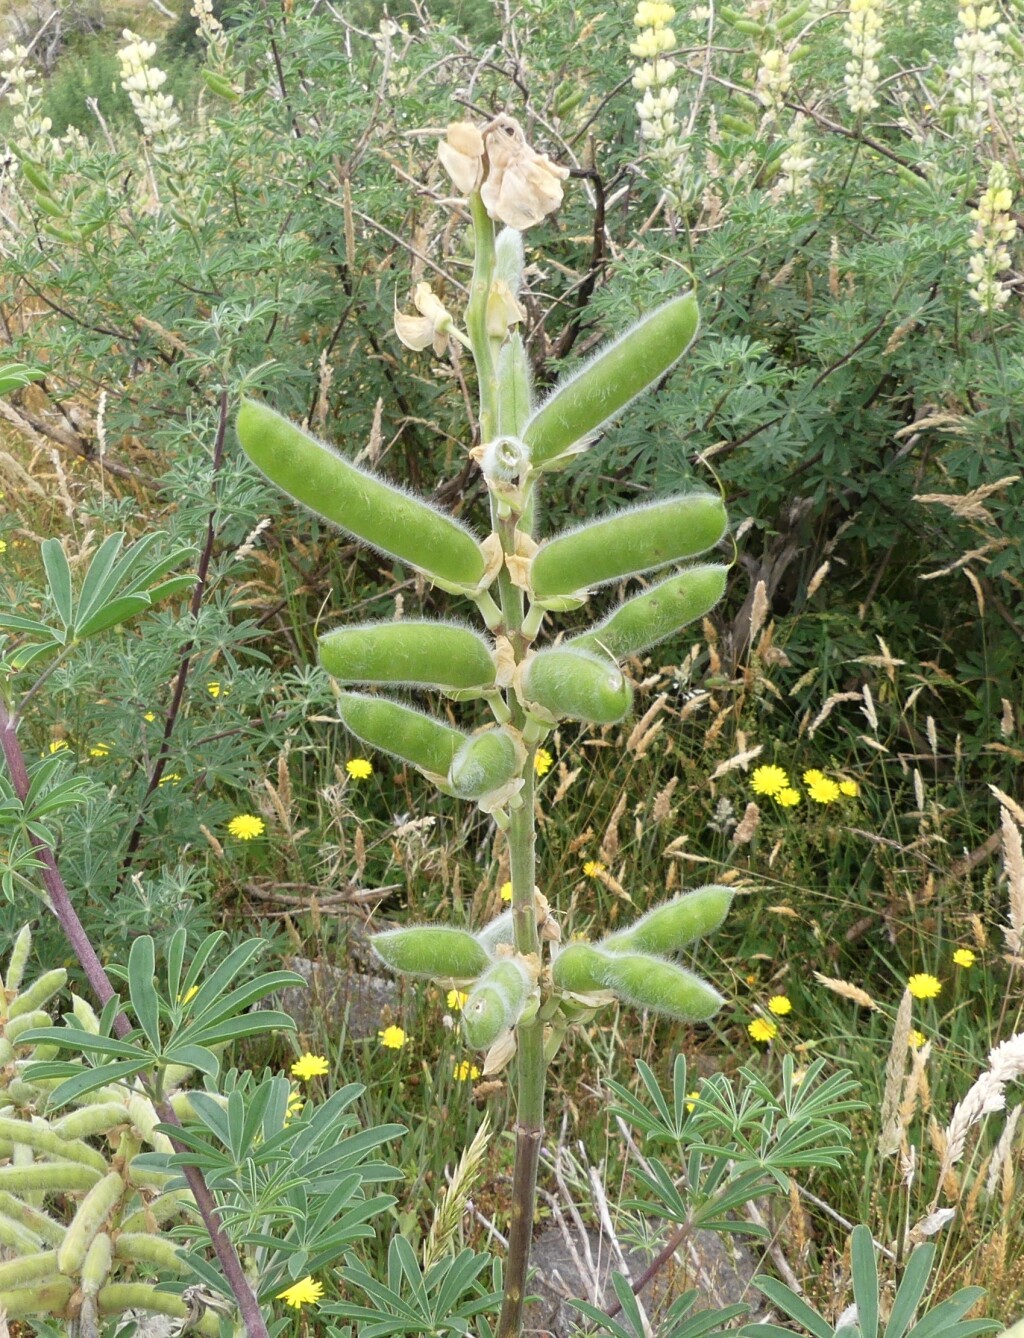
(827, 708)
(869, 708)
(614, 886)
(1001, 1152)
(609, 848)
(928, 1226)
(891, 1134)
(969, 506)
(644, 730)
(248, 547)
(916, 1092)
(747, 825)
(758, 610)
(987, 1094)
(1013, 863)
(993, 546)
(846, 991)
(565, 780)
(212, 841)
(450, 1209)
(737, 760)
(662, 809)
(1007, 726)
(979, 594)
(814, 584)
(359, 852)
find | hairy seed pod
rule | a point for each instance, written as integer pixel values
(578, 968)
(486, 762)
(578, 685)
(515, 387)
(509, 259)
(499, 930)
(496, 1002)
(417, 651)
(20, 1272)
(18, 958)
(40, 1224)
(96, 1265)
(391, 520)
(659, 612)
(155, 1212)
(142, 1248)
(39, 992)
(85, 1014)
(620, 371)
(27, 1022)
(627, 543)
(400, 731)
(431, 951)
(678, 922)
(43, 1139)
(661, 986)
(88, 1221)
(87, 1121)
(6, 1052)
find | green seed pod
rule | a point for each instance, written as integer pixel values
(496, 1002)
(577, 685)
(89, 1220)
(655, 614)
(143, 1248)
(39, 992)
(6, 1052)
(579, 968)
(515, 386)
(219, 84)
(36, 176)
(156, 1212)
(678, 922)
(509, 259)
(500, 930)
(418, 652)
(45, 1298)
(19, 957)
(41, 1138)
(20, 1272)
(96, 1265)
(85, 1014)
(16, 1210)
(663, 987)
(431, 951)
(87, 1121)
(27, 1022)
(15, 1237)
(620, 371)
(627, 543)
(486, 762)
(400, 731)
(375, 511)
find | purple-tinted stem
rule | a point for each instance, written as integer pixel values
(102, 988)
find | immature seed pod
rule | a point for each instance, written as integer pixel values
(579, 968)
(18, 958)
(20, 1272)
(661, 986)
(432, 952)
(657, 613)
(96, 1265)
(577, 685)
(373, 510)
(620, 371)
(672, 926)
(496, 1002)
(27, 1022)
(87, 1223)
(142, 1248)
(515, 386)
(627, 543)
(486, 762)
(34, 1220)
(400, 731)
(39, 992)
(416, 651)
(86, 1121)
(499, 930)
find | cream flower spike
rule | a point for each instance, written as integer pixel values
(432, 326)
(462, 156)
(522, 185)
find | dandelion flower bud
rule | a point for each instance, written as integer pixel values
(462, 156)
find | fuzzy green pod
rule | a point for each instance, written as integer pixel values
(43, 1139)
(499, 930)
(155, 1212)
(44, 1298)
(496, 1002)
(416, 651)
(661, 986)
(27, 1022)
(39, 992)
(96, 1265)
(627, 543)
(579, 968)
(400, 731)
(678, 922)
(88, 1222)
(486, 762)
(431, 951)
(19, 957)
(142, 1248)
(515, 386)
(388, 518)
(40, 1224)
(85, 1014)
(20, 1272)
(603, 386)
(657, 613)
(577, 685)
(87, 1121)
(17, 1238)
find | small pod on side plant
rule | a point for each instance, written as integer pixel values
(432, 952)
(579, 968)
(486, 762)
(661, 986)
(496, 1002)
(586, 400)
(577, 685)
(89, 1220)
(400, 731)
(627, 543)
(672, 926)
(419, 651)
(388, 518)
(648, 618)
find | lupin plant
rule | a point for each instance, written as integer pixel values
(524, 989)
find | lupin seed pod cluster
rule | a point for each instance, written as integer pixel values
(515, 580)
(109, 1252)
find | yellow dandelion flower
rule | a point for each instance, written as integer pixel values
(246, 826)
(769, 780)
(964, 957)
(149, 716)
(465, 1072)
(780, 1005)
(850, 788)
(392, 1038)
(924, 986)
(762, 1030)
(751, 978)
(359, 768)
(309, 1066)
(812, 775)
(542, 761)
(296, 1103)
(99, 750)
(692, 1099)
(593, 868)
(506, 891)
(57, 746)
(823, 791)
(787, 797)
(456, 1000)
(213, 688)
(916, 1039)
(303, 1292)
(171, 778)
